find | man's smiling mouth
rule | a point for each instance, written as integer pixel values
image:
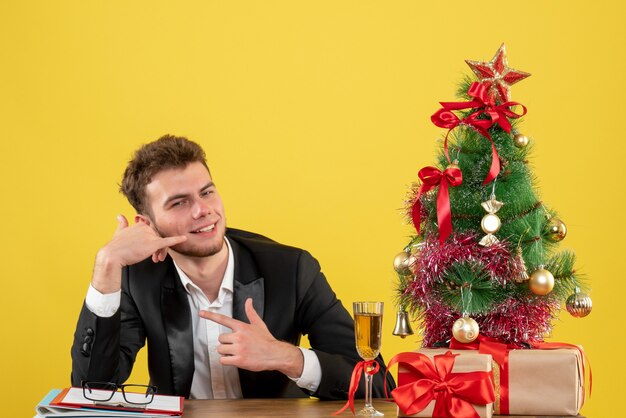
(205, 229)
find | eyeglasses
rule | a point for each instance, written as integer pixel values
(105, 393)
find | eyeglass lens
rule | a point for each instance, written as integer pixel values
(138, 394)
(104, 391)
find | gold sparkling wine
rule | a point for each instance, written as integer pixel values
(368, 328)
(368, 324)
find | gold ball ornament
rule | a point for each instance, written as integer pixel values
(520, 140)
(465, 330)
(579, 304)
(490, 223)
(541, 281)
(402, 263)
(556, 230)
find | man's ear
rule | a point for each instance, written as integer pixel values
(142, 219)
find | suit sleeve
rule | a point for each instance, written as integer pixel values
(330, 330)
(104, 349)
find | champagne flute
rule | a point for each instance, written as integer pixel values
(368, 324)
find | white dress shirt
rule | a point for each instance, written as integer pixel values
(211, 379)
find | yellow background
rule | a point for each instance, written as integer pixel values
(315, 118)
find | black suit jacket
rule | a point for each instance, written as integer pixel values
(289, 292)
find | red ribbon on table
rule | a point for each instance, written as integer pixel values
(432, 177)
(370, 367)
(454, 393)
(500, 353)
(484, 105)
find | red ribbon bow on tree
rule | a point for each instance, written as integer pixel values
(432, 177)
(484, 105)
(453, 392)
(370, 367)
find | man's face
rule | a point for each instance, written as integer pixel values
(184, 201)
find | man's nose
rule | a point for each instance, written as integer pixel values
(200, 209)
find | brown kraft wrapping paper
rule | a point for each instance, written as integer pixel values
(544, 382)
(468, 361)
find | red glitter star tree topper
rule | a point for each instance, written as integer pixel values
(497, 75)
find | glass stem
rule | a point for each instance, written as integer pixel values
(368, 389)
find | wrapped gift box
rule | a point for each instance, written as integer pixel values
(468, 361)
(544, 382)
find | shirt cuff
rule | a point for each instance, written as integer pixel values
(103, 305)
(311, 371)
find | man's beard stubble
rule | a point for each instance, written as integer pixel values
(188, 250)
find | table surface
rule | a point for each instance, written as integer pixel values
(278, 408)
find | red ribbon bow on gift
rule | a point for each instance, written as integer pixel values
(453, 392)
(370, 367)
(432, 177)
(485, 105)
(500, 353)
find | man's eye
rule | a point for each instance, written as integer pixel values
(206, 193)
(178, 203)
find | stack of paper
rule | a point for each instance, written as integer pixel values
(70, 402)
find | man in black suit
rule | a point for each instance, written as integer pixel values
(222, 310)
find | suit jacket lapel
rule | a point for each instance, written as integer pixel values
(177, 321)
(247, 284)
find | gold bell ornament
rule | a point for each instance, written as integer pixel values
(579, 304)
(403, 325)
(490, 223)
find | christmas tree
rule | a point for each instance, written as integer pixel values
(484, 258)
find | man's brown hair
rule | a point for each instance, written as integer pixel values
(165, 153)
